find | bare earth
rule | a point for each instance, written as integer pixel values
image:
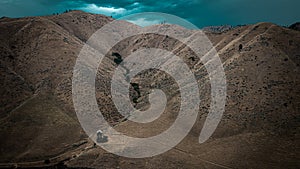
(39, 128)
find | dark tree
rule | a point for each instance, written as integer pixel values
(118, 58)
(47, 161)
(240, 47)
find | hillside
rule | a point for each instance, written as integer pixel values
(259, 129)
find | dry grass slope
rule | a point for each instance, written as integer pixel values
(260, 127)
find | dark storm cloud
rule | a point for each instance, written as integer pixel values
(200, 12)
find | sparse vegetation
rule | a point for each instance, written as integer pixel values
(37, 109)
(47, 161)
(118, 58)
(240, 47)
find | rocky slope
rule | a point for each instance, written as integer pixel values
(259, 129)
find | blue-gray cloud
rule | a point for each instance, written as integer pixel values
(200, 12)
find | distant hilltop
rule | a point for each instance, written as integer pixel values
(295, 26)
(217, 29)
(224, 28)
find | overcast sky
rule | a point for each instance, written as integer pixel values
(199, 12)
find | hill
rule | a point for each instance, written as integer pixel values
(259, 129)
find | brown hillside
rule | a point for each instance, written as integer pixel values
(259, 129)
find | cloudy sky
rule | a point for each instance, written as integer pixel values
(199, 12)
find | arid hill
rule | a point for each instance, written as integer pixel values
(295, 26)
(39, 127)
